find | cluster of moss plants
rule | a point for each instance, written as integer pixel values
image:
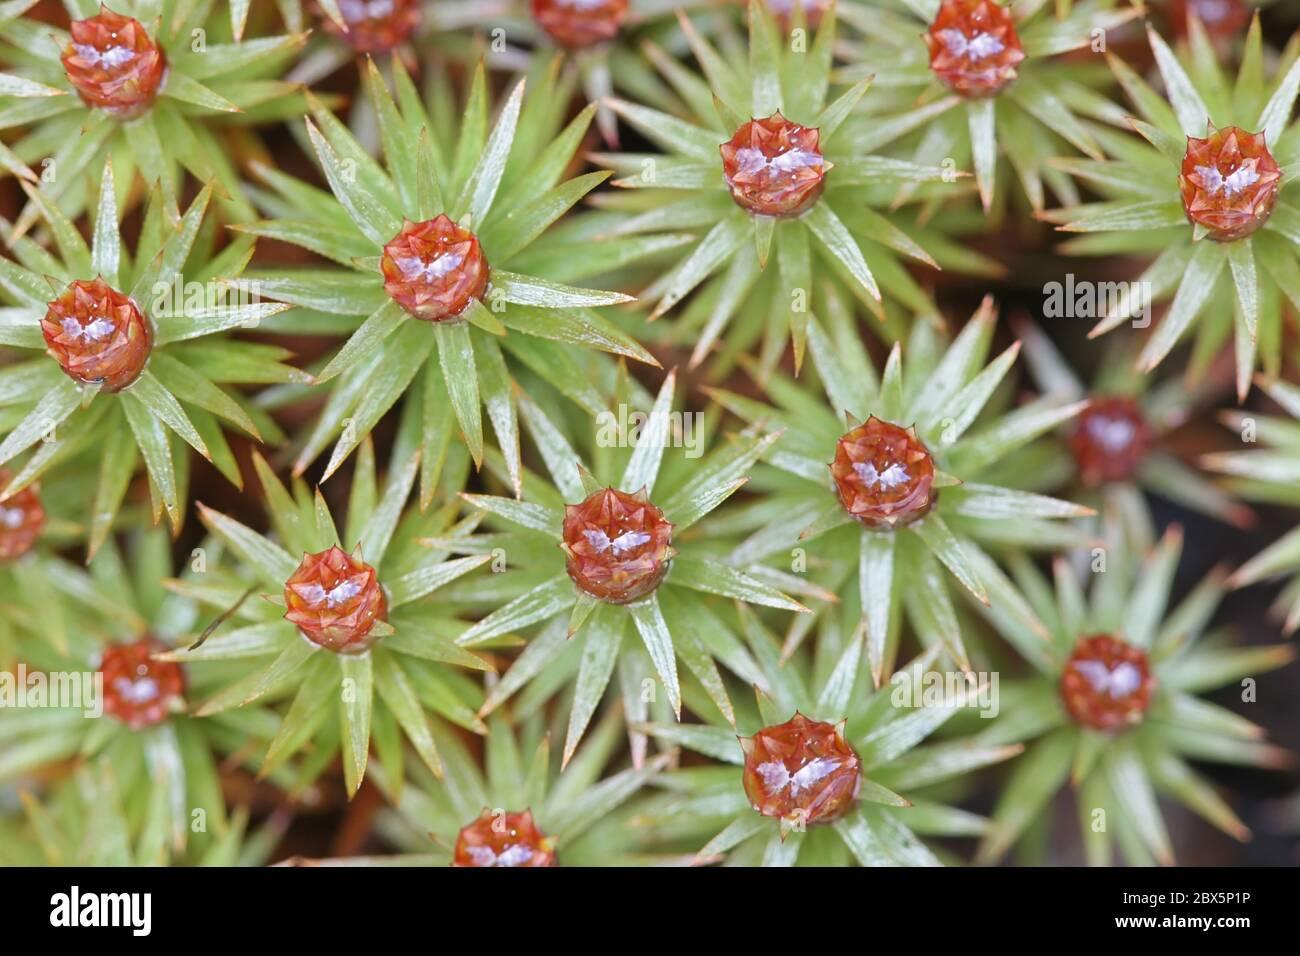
(636, 432)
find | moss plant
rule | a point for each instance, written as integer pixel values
(615, 554)
(586, 438)
(565, 808)
(994, 85)
(396, 233)
(1119, 450)
(85, 95)
(769, 169)
(1113, 708)
(884, 474)
(1221, 224)
(134, 359)
(152, 764)
(351, 614)
(826, 766)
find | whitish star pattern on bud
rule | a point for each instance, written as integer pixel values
(891, 477)
(626, 541)
(1111, 434)
(96, 330)
(801, 769)
(339, 594)
(1214, 182)
(1118, 681)
(776, 777)
(978, 47)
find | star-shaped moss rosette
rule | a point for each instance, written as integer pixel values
(349, 31)
(1269, 475)
(83, 822)
(1203, 190)
(123, 81)
(96, 634)
(601, 39)
(613, 550)
(347, 635)
(1225, 21)
(135, 358)
(516, 807)
(427, 245)
(46, 515)
(820, 767)
(979, 80)
(1116, 451)
(37, 524)
(1113, 707)
(761, 172)
(886, 476)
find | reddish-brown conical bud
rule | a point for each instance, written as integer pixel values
(1221, 18)
(434, 269)
(973, 45)
(1110, 439)
(1106, 684)
(98, 335)
(114, 64)
(1229, 182)
(503, 839)
(335, 600)
(138, 690)
(617, 545)
(22, 519)
(784, 11)
(375, 26)
(774, 167)
(883, 474)
(801, 771)
(580, 23)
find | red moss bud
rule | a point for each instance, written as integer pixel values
(98, 335)
(974, 48)
(617, 545)
(114, 64)
(774, 167)
(503, 839)
(1106, 684)
(22, 519)
(138, 690)
(335, 599)
(1229, 182)
(375, 26)
(883, 474)
(801, 770)
(434, 269)
(580, 23)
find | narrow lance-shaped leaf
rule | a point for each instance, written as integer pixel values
(643, 467)
(659, 643)
(604, 636)
(876, 586)
(356, 701)
(481, 188)
(836, 239)
(456, 353)
(983, 137)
